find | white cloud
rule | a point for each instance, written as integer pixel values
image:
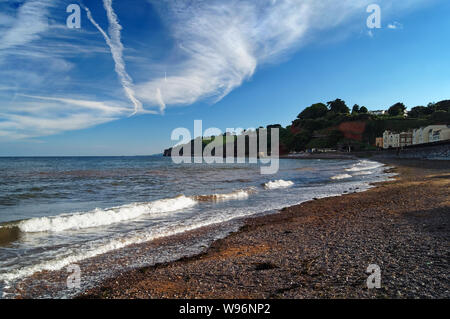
(27, 126)
(395, 25)
(6, 20)
(221, 43)
(40, 67)
(115, 44)
(93, 105)
(27, 119)
(30, 22)
(218, 46)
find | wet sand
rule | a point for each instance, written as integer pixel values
(321, 248)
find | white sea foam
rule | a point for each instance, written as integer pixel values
(114, 244)
(341, 176)
(364, 166)
(239, 194)
(62, 262)
(278, 184)
(103, 217)
(362, 173)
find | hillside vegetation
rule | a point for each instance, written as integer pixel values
(335, 126)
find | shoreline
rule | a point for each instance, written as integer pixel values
(50, 279)
(320, 248)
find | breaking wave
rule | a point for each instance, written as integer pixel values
(114, 244)
(103, 217)
(362, 173)
(364, 166)
(236, 195)
(278, 184)
(341, 176)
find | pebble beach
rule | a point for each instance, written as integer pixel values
(321, 248)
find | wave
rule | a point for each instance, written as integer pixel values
(368, 172)
(106, 245)
(236, 195)
(104, 217)
(364, 166)
(278, 184)
(341, 176)
(118, 243)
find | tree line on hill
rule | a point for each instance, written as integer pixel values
(334, 126)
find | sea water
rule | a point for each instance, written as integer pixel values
(58, 211)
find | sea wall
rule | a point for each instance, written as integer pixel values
(436, 151)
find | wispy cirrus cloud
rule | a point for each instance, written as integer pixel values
(39, 55)
(35, 116)
(115, 44)
(28, 24)
(220, 44)
(66, 80)
(15, 126)
(87, 104)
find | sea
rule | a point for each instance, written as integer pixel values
(95, 212)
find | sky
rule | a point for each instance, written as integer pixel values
(135, 70)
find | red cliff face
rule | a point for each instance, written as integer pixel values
(295, 130)
(353, 130)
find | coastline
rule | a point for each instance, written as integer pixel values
(320, 248)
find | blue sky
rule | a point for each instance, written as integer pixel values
(137, 69)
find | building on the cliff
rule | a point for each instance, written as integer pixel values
(394, 140)
(406, 139)
(423, 135)
(378, 112)
(431, 133)
(419, 136)
(391, 139)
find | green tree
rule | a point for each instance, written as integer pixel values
(299, 141)
(313, 112)
(363, 110)
(397, 109)
(442, 106)
(338, 106)
(355, 109)
(419, 111)
(440, 117)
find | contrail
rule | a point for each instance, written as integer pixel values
(159, 98)
(116, 47)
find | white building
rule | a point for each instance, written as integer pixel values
(419, 136)
(379, 112)
(406, 138)
(394, 140)
(432, 133)
(391, 139)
